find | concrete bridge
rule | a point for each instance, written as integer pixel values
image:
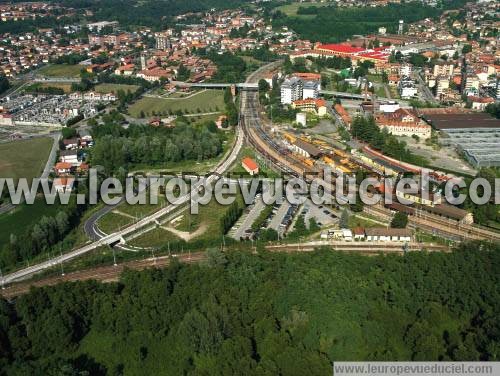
(252, 86)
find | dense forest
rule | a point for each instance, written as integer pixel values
(264, 314)
(333, 24)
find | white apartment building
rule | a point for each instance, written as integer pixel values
(442, 85)
(310, 90)
(291, 90)
(407, 88)
(405, 70)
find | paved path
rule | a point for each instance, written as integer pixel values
(52, 156)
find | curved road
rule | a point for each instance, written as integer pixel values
(113, 238)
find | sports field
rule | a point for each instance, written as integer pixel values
(61, 70)
(24, 158)
(200, 102)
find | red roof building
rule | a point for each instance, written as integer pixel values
(250, 166)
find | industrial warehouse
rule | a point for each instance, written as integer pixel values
(475, 135)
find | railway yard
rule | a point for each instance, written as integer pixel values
(442, 220)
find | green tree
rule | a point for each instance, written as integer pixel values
(344, 219)
(400, 220)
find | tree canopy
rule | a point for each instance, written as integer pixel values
(261, 314)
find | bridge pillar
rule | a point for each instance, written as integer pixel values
(233, 90)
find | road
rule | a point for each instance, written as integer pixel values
(424, 89)
(118, 236)
(52, 156)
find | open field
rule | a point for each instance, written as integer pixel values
(203, 228)
(18, 220)
(291, 9)
(24, 158)
(114, 88)
(154, 238)
(60, 85)
(61, 70)
(204, 101)
(112, 222)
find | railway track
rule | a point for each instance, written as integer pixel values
(360, 247)
(109, 273)
(440, 226)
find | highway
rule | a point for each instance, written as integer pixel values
(118, 236)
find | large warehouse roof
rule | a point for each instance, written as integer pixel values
(462, 121)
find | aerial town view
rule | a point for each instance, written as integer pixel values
(266, 187)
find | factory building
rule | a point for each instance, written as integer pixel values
(475, 135)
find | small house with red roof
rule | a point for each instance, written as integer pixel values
(250, 166)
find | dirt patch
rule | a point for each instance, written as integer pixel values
(184, 235)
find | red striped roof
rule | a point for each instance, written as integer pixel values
(342, 48)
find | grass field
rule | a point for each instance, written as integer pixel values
(60, 85)
(154, 238)
(112, 222)
(204, 101)
(16, 221)
(114, 88)
(25, 158)
(61, 70)
(291, 9)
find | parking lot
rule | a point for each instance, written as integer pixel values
(242, 228)
(323, 215)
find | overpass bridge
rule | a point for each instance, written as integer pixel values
(252, 86)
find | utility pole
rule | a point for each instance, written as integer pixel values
(3, 280)
(62, 269)
(114, 256)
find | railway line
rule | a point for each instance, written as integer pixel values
(359, 247)
(110, 273)
(448, 228)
